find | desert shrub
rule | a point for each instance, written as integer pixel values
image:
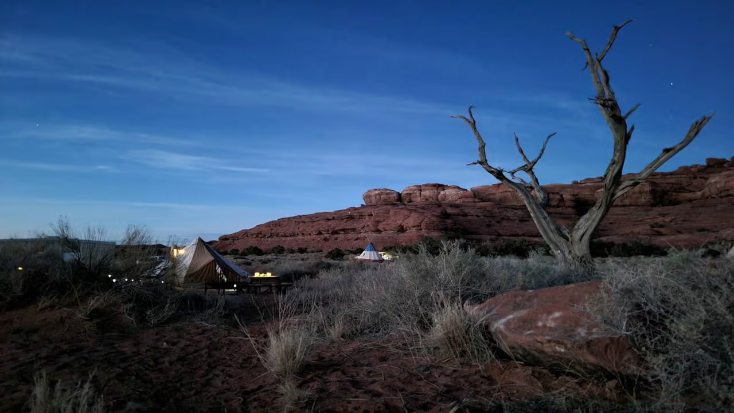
(290, 269)
(512, 273)
(234, 251)
(428, 244)
(302, 250)
(336, 254)
(80, 398)
(635, 248)
(43, 274)
(277, 250)
(252, 250)
(519, 247)
(678, 313)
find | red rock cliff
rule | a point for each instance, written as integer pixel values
(687, 207)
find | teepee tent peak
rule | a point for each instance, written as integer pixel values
(198, 262)
(370, 254)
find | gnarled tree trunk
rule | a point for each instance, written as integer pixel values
(573, 248)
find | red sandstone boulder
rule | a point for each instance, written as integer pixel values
(716, 162)
(499, 194)
(550, 327)
(455, 195)
(381, 196)
(422, 194)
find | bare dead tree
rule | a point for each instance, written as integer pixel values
(572, 248)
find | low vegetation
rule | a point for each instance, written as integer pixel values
(676, 307)
(58, 398)
(677, 310)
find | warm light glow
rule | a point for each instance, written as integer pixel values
(178, 251)
(114, 280)
(162, 282)
(263, 274)
(20, 268)
(235, 286)
(109, 275)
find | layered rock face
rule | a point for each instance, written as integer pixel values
(684, 208)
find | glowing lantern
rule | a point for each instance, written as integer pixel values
(20, 268)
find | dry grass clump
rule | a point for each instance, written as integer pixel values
(80, 398)
(458, 336)
(292, 395)
(679, 313)
(287, 350)
(511, 273)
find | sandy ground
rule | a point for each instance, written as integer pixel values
(197, 367)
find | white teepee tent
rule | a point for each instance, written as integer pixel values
(370, 254)
(200, 263)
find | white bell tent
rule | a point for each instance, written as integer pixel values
(370, 254)
(200, 263)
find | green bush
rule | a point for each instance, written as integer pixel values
(277, 250)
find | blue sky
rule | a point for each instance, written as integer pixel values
(203, 118)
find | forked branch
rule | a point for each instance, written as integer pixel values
(528, 169)
(664, 156)
(498, 173)
(612, 38)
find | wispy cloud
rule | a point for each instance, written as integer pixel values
(168, 73)
(58, 167)
(91, 133)
(178, 161)
(122, 203)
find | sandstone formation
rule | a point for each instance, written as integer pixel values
(683, 208)
(549, 327)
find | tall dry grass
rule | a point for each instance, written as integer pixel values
(48, 398)
(406, 295)
(678, 311)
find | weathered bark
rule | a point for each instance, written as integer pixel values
(573, 248)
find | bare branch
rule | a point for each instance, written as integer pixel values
(598, 74)
(613, 36)
(528, 169)
(590, 62)
(497, 173)
(528, 163)
(631, 111)
(666, 154)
